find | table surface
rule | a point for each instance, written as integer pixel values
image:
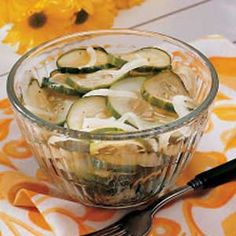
(185, 19)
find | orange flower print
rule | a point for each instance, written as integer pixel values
(93, 214)
(165, 227)
(37, 218)
(228, 137)
(221, 96)
(5, 106)
(83, 228)
(18, 188)
(225, 67)
(213, 199)
(4, 128)
(229, 226)
(225, 111)
(4, 160)
(17, 149)
(12, 222)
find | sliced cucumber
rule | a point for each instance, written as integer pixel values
(61, 108)
(136, 111)
(160, 89)
(57, 84)
(100, 79)
(99, 163)
(188, 76)
(84, 60)
(86, 107)
(46, 104)
(157, 59)
(110, 147)
(116, 61)
(116, 153)
(108, 188)
(86, 83)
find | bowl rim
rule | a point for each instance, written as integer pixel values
(181, 122)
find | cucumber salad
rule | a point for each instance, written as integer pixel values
(93, 90)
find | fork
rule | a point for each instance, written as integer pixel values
(139, 222)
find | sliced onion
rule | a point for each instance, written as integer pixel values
(111, 93)
(131, 116)
(93, 57)
(181, 105)
(122, 71)
(97, 123)
(130, 66)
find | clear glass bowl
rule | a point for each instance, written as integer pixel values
(120, 179)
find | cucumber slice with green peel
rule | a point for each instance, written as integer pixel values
(160, 89)
(121, 169)
(101, 79)
(86, 107)
(137, 73)
(61, 110)
(46, 104)
(111, 147)
(127, 153)
(56, 84)
(100, 164)
(81, 83)
(136, 111)
(116, 61)
(157, 59)
(84, 84)
(84, 60)
(107, 186)
(35, 100)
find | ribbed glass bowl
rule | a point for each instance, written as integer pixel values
(126, 178)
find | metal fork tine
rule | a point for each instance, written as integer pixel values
(120, 233)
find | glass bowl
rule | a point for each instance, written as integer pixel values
(120, 179)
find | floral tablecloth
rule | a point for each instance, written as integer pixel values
(26, 209)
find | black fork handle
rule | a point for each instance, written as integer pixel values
(207, 179)
(215, 176)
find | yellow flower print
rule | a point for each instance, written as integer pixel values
(121, 4)
(34, 24)
(36, 21)
(99, 15)
(4, 16)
